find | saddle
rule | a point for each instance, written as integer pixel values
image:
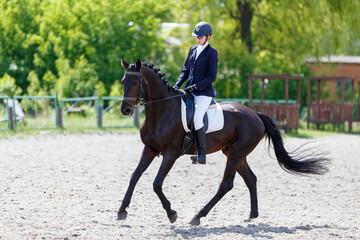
(213, 119)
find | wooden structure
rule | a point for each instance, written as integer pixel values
(285, 115)
(319, 112)
(335, 66)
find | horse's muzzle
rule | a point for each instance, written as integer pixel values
(127, 110)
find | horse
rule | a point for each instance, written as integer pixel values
(162, 135)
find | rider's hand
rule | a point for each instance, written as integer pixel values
(190, 89)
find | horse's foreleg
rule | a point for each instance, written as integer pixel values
(166, 165)
(250, 181)
(225, 186)
(146, 158)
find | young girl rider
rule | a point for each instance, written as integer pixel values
(200, 70)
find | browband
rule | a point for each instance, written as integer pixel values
(134, 73)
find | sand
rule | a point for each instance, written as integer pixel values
(70, 187)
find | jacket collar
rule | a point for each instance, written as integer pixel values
(202, 53)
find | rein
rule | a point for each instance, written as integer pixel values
(162, 99)
(140, 100)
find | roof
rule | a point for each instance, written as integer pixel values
(331, 78)
(335, 59)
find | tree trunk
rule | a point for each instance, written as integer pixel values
(245, 18)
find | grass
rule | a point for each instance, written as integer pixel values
(311, 133)
(323, 131)
(22, 133)
(73, 124)
(77, 125)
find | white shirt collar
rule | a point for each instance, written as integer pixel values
(202, 47)
(199, 49)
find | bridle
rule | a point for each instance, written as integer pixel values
(140, 99)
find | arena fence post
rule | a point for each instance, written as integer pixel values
(99, 113)
(8, 112)
(56, 112)
(59, 115)
(11, 118)
(13, 114)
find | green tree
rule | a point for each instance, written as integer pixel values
(34, 35)
(116, 89)
(100, 89)
(262, 36)
(77, 81)
(235, 62)
(17, 22)
(34, 84)
(8, 86)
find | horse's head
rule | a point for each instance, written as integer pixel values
(133, 87)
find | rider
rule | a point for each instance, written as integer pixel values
(200, 70)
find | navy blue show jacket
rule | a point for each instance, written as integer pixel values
(201, 72)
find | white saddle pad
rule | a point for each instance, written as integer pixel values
(215, 117)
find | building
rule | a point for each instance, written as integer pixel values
(336, 66)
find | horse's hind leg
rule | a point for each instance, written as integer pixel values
(250, 181)
(146, 158)
(225, 186)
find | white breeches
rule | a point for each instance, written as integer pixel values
(201, 105)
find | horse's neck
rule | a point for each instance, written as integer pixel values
(159, 101)
(155, 90)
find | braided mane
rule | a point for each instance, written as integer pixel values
(160, 75)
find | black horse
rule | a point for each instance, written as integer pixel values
(162, 134)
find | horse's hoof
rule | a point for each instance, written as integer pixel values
(253, 215)
(195, 222)
(173, 216)
(122, 215)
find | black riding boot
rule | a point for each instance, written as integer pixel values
(194, 158)
(201, 141)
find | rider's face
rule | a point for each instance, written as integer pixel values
(201, 40)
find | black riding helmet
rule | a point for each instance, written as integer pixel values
(202, 29)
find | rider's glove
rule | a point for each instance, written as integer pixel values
(190, 89)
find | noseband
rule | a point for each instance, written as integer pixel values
(139, 98)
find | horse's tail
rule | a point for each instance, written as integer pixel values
(295, 162)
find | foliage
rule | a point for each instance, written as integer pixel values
(100, 89)
(86, 37)
(8, 86)
(116, 89)
(75, 81)
(72, 48)
(283, 34)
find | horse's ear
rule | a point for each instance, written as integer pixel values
(138, 64)
(124, 63)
